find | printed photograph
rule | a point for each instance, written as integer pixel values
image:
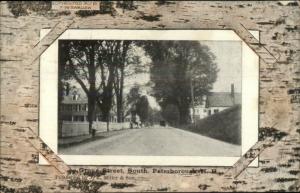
(149, 97)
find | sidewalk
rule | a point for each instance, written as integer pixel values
(70, 141)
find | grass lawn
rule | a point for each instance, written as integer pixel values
(225, 125)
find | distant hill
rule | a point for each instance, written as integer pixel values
(225, 125)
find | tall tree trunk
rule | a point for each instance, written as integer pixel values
(108, 97)
(184, 114)
(121, 95)
(120, 81)
(91, 112)
(92, 90)
(107, 122)
(106, 102)
(120, 111)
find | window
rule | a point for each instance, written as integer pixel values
(75, 97)
(79, 118)
(67, 118)
(209, 112)
(75, 118)
(82, 118)
(83, 107)
(216, 110)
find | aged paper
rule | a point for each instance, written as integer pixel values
(149, 138)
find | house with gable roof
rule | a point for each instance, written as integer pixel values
(73, 116)
(213, 103)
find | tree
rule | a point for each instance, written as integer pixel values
(130, 63)
(131, 99)
(154, 116)
(178, 66)
(98, 66)
(78, 63)
(171, 114)
(92, 64)
(138, 104)
(142, 109)
(121, 55)
(107, 60)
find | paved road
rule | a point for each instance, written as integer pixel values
(159, 141)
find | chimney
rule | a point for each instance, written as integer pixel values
(232, 93)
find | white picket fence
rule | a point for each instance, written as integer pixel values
(72, 129)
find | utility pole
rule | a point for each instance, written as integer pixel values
(192, 96)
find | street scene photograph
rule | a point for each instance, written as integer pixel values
(149, 97)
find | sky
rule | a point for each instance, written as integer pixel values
(229, 61)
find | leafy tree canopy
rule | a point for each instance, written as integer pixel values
(178, 67)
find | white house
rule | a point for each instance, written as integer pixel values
(73, 116)
(74, 108)
(214, 102)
